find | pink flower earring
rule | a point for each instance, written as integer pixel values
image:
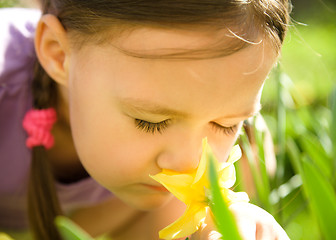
(38, 124)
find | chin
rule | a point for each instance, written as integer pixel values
(148, 203)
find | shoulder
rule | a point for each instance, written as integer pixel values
(17, 28)
(17, 59)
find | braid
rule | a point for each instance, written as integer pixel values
(44, 89)
(43, 204)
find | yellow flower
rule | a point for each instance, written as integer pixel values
(192, 189)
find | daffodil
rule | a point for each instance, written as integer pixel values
(193, 188)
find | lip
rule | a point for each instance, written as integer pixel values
(156, 188)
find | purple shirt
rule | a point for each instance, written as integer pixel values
(17, 57)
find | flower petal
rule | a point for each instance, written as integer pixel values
(178, 185)
(203, 162)
(235, 154)
(233, 197)
(227, 177)
(227, 172)
(187, 224)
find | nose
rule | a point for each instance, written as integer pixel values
(181, 156)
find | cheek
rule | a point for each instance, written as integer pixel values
(107, 144)
(100, 142)
(222, 146)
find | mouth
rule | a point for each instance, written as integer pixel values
(156, 188)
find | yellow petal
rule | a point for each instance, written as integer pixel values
(235, 154)
(178, 185)
(187, 224)
(227, 177)
(191, 188)
(201, 169)
(227, 172)
(233, 197)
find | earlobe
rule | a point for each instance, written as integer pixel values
(52, 48)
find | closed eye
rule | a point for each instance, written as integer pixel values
(150, 127)
(231, 130)
(159, 127)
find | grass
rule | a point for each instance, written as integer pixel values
(299, 106)
(308, 58)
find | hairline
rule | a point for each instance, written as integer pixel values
(212, 51)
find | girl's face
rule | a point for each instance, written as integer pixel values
(132, 116)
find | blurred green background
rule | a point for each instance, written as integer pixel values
(299, 108)
(309, 52)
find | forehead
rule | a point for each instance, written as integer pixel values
(196, 51)
(196, 86)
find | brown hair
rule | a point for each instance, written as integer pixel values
(43, 203)
(94, 20)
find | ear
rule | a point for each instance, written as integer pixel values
(52, 48)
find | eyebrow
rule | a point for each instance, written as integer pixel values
(247, 114)
(140, 105)
(143, 106)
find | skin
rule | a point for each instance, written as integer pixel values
(104, 92)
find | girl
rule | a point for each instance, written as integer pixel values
(135, 86)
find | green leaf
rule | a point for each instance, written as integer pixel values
(257, 180)
(333, 129)
(225, 222)
(294, 154)
(312, 146)
(282, 89)
(69, 230)
(260, 138)
(333, 121)
(4, 236)
(322, 198)
(8, 3)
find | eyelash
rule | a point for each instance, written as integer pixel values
(226, 130)
(149, 127)
(159, 127)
